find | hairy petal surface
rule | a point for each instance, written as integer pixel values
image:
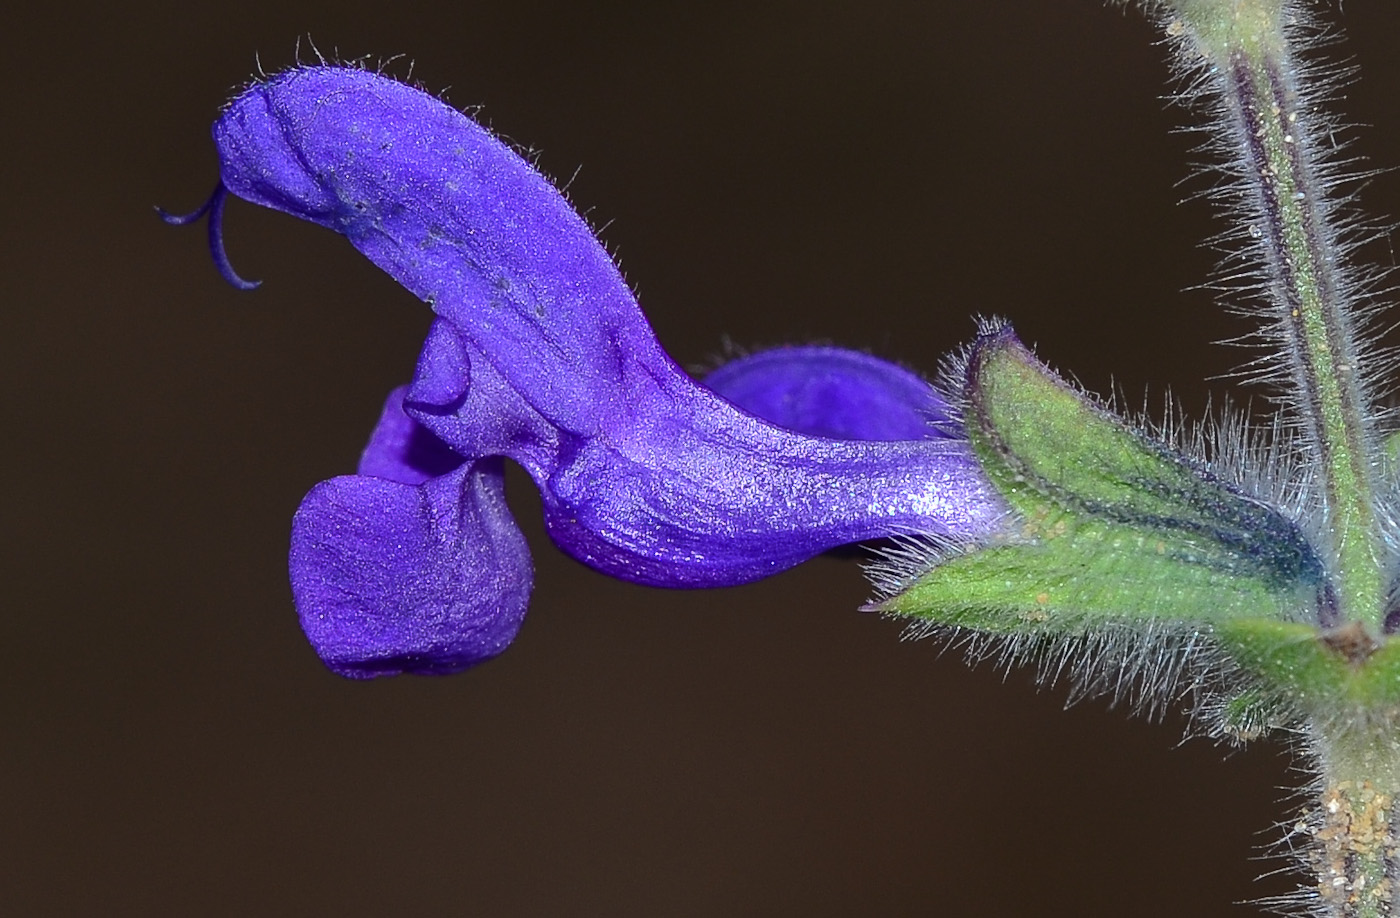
(456, 217)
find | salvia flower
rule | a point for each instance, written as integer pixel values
(1254, 572)
(540, 354)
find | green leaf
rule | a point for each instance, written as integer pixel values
(1112, 526)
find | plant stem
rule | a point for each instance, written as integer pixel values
(1356, 850)
(1245, 46)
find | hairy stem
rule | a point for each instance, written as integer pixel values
(1246, 50)
(1355, 850)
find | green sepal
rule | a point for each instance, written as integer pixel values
(1081, 571)
(1110, 525)
(1249, 714)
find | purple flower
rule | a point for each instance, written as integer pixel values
(540, 354)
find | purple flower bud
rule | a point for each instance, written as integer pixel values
(541, 354)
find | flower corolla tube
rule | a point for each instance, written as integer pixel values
(540, 354)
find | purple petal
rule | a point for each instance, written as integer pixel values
(452, 214)
(834, 392)
(400, 449)
(391, 578)
(721, 499)
(683, 489)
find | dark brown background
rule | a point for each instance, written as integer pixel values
(871, 174)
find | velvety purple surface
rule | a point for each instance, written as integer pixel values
(834, 392)
(390, 577)
(401, 449)
(542, 355)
